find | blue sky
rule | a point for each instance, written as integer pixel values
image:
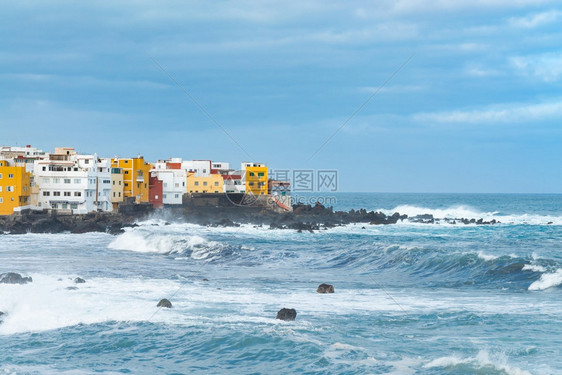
(477, 109)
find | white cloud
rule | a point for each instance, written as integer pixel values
(535, 20)
(547, 67)
(502, 113)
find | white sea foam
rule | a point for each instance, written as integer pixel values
(486, 257)
(547, 280)
(467, 212)
(534, 268)
(481, 361)
(166, 243)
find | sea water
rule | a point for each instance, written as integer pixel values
(409, 298)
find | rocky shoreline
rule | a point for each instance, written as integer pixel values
(303, 218)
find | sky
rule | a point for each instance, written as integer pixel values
(397, 96)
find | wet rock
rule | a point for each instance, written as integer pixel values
(71, 288)
(1, 317)
(325, 288)
(286, 314)
(205, 279)
(79, 280)
(164, 303)
(14, 278)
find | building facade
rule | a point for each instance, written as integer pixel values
(15, 188)
(72, 183)
(255, 178)
(136, 175)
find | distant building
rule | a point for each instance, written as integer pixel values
(15, 188)
(255, 176)
(117, 187)
(213, 183)
(136, 174)
(73, 183)
(155, 191)
(174, 179)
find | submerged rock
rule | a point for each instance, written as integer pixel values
(325, 288)
(14, 278)
(287, 314)
(1, 319)
(164, 303)
(79, 280)
(71, 288)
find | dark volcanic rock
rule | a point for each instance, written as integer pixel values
(164, 303)
(287, 314)
(14, 278)
(49, 225)
(325, 288)
(79, 280)
(71, 288)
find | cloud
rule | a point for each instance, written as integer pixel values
(501, 113)
(546, 67)
(535, 20)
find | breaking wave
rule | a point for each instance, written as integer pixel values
(467, 212)
(195, 246)
(483, 362)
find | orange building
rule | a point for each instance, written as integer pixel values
(15, 188)
(136, 177)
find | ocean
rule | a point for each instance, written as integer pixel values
(409, 298)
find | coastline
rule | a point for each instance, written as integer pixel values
(302, 218)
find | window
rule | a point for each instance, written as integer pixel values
(177, 185)
(119, 182)
(113, 194)
(64, 206)
(261, 174)
(10, 175)
(0, 188)
(46, 193)
(56, 180)
(0, 175)
(126, 184)
(164, 196)
(119, 194)
(77, 194)
(165, 184)
(74, 206)
(44, 168)
(56, 193)
(1, 200)
(106, 181)
(55, 205)
(126, 172)
(196, 183)
(113, 182)
(251, 184)
(204, 183)
(46, 180)
(67, 180)
(126, 162)
(177, 195)
(87, 161)
(9, 188)
(216, 183)
(77, 181)
(252, 174)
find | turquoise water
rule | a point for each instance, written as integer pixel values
(410, 298)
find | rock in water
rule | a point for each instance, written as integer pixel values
(325, 288)
(164, 303)
(79, 280)
(287, 314)
(14, 278)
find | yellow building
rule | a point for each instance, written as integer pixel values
(256, 180)
(212, 183)
(136, 175)
(14, 187)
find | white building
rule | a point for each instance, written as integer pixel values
(73, 183)
(173, 178)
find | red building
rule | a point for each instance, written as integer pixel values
(155, 191)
